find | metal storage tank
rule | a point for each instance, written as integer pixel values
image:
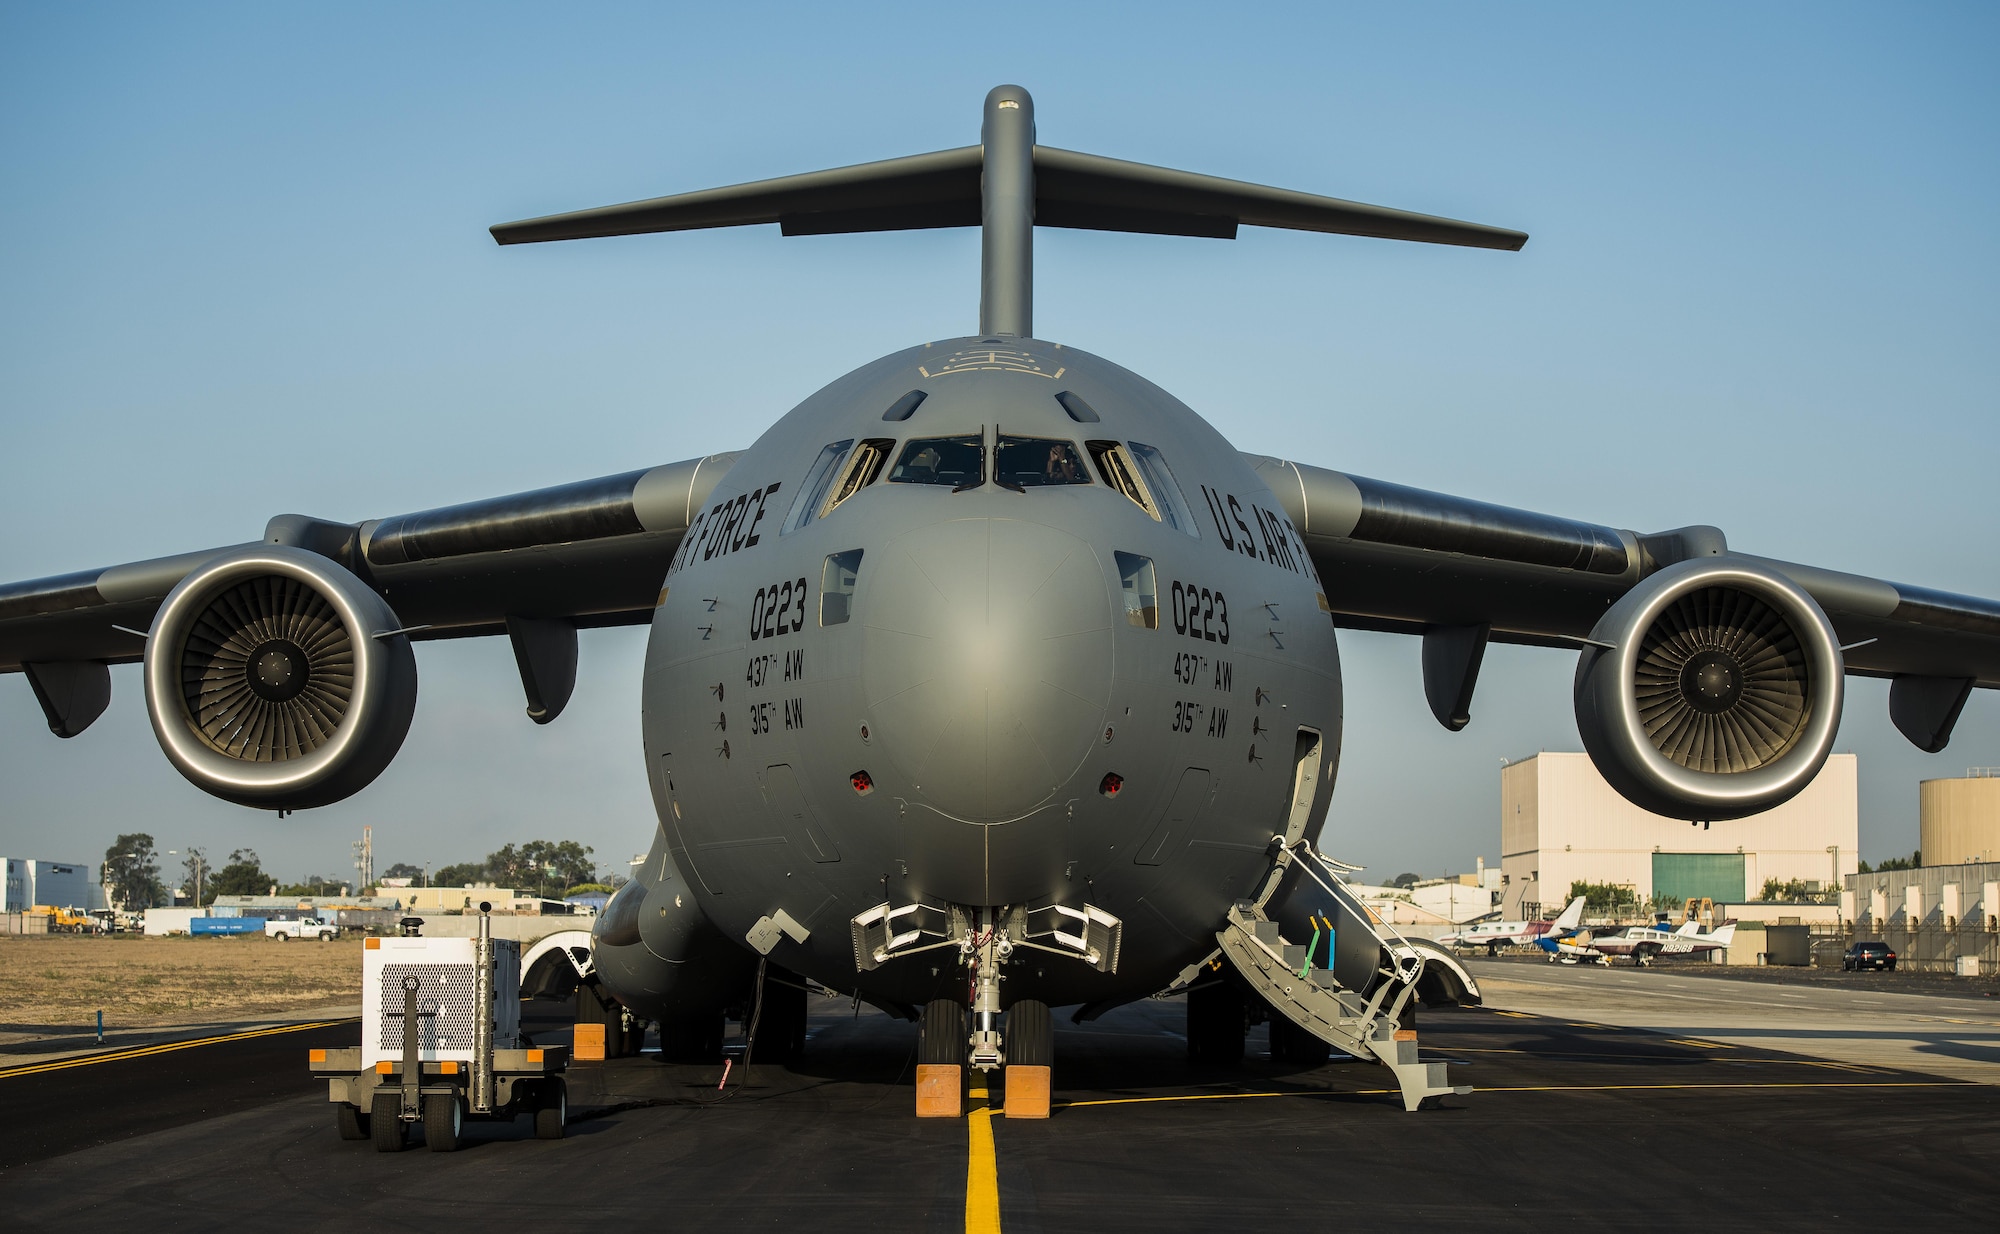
(1959, 820)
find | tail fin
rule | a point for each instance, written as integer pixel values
(1690, 926)
(1572, 916)
(1724, 933)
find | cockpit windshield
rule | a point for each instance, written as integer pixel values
(958, 462)
(1033, 462)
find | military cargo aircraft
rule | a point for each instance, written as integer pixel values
(992, 678)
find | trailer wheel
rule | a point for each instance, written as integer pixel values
(350, 1121)
(385, 1123)
(552, 1111)
(444, 1118)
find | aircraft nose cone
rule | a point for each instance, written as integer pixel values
(987, 662)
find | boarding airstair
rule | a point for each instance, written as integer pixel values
(1310, 949)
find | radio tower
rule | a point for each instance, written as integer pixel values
(364, 860)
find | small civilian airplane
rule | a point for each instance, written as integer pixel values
(1494, 935)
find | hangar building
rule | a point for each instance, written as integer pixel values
(1561, 822)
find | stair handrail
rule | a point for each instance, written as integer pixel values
(1401, 949)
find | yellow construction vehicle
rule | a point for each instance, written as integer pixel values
(66, 921)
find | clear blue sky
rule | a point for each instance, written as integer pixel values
(244, 271)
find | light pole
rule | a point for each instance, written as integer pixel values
(200, 867)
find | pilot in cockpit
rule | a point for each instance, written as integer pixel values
(1061, 465)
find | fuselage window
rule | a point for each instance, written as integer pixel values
(1167, 496)
(836, 586)
(812, 495)
(860, 472)
(1118, 470)
(1142, 594)
(956, 462)
(1036, 462)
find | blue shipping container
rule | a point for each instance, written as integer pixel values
(226, 925)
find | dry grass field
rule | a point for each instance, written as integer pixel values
(60, 981)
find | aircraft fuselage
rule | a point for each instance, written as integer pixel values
(934, 720)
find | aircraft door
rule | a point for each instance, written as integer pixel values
(1178, 821)
(1307, 758)
(794, 817)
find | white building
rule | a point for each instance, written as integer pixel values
(62, 884)
(1459, 898)
(1562, 823)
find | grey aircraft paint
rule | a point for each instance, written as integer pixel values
(987, 678)
(991, 639)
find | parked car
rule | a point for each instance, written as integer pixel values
(1868, 955)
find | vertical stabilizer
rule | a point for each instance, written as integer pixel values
(1007, 214)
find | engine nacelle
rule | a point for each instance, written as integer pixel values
(267, 685)
(1716, 694)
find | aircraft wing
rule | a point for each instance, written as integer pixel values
(1460, 572)
(591, 553)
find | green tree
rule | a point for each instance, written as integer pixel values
(243, 876)
(1910, 862)
(132, 872)
(1604, 897)
(538, 867)
(404, 869)
(462, 875)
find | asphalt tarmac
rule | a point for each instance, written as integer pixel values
(1574, 1121)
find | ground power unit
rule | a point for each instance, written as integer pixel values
(441, 1043)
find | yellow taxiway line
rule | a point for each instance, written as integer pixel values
(1533, 1088)
(982, 1169)
(165, 1047)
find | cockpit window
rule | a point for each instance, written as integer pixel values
(860, 472)
(1118, 470)
(805, 507)
(958, 462)
(1167, 496)
(1033, 462)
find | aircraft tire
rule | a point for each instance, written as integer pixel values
(1216, 1023)
(1292, 1044)
(691, 1037)
(941, 1037)
(385, 1123)
(781, 1024)
(1031, 1035)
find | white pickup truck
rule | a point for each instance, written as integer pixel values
(304, 927)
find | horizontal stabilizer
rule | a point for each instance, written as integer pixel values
(942, 189)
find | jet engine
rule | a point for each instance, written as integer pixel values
(1711, 690)
(270, 683)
